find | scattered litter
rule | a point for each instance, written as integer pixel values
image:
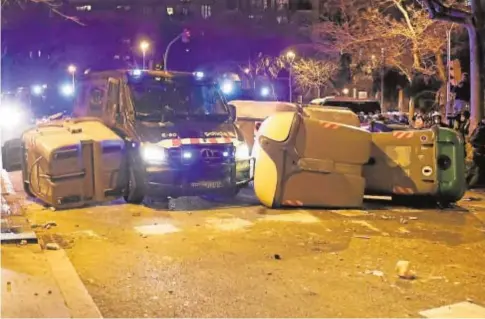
(277, 257)
(50, 224)
(412, 218)
(366, 224)
(458, 310)
(385, 217)
(403, 230)
(36, 225)
(403, 270)
(385, 234)
(23, 242)
(52, 246)
(52, 209)
(472, 199)
(47, 226)
(403, 220)
(362, 236)
(377, 273)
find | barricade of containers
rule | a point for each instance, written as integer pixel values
(73, 163)
(322, 158)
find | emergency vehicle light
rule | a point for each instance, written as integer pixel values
(199, 75)
(136, 72)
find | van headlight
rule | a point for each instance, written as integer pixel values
(10, 117)
(242, 152)
(153, 154)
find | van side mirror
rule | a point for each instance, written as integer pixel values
(232, 112)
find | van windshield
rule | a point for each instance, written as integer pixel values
(171, 99)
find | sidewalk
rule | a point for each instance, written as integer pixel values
(35, 283)
(29, 289)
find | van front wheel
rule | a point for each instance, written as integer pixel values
(135, 191)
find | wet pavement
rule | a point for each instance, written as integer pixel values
(206, 259)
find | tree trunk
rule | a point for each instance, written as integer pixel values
(318, 92)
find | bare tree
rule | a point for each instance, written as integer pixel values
(412, 42)
(314, 74)
(474, 22)
(53, 5)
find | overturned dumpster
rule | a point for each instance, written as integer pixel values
(303, 161)
(72, 163)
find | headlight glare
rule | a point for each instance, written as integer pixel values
(153, 154)
(10, 117)
(242, 152)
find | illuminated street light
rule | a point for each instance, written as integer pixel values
(246, 70)
(265, 91)
(290, 55)
(67, 90)
(345, 91)
(72, 70)
(144, 45)
(37, 90)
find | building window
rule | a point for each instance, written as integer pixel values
(206, 11)
(169, 11)
(282, 4)
(125, 8)
(83, 8)
(232, 4)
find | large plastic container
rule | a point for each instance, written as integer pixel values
(72, 163)
(250, 114)
(333, 114)
(417, 163)
(301, 161)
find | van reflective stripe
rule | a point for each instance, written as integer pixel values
(191, 141)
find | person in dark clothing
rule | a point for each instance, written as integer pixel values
(462, 94)
(464, 124)
(437, 120)
(476, 172)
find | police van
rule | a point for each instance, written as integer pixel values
(180, 132)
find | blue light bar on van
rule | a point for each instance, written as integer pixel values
(199, 75)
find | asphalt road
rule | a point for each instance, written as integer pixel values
(207, 259)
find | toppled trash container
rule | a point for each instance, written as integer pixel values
(71, 163)
(301, 161)
(333, 114)
(417, 164)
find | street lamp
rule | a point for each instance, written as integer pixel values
(185, 36)
(72, 70)
(290, 55)
(144, 45)
(246, 70)
(345, 91)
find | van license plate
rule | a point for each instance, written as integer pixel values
(207, 184)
